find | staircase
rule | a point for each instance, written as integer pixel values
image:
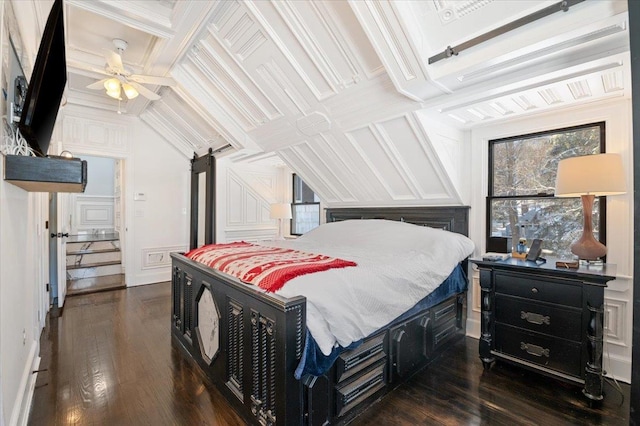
(93, 263)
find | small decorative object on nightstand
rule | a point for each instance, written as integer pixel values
(545, 318)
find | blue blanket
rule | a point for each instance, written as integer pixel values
(314, 362)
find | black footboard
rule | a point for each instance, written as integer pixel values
(248, 342)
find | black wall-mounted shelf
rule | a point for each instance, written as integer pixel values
(46, 174)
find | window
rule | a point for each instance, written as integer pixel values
(305, 208)
(522, 174)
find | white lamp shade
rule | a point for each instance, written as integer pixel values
(598, 174)
(281, 211)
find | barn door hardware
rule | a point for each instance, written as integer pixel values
(453, 51)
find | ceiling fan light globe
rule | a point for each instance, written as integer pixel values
(112, 85)
(115, 94)
(129, 91)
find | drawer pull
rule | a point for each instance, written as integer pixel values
(534, 318)
(534, 349)
(534, 290)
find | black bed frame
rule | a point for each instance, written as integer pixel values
(261, 339)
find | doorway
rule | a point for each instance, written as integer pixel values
(93, 258)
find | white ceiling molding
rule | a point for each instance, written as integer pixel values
(151, 17)
(385, 30)
(233, 88)
(282, 88)
(313, 124)
(339, 70)
(315, 80)
(182, 127)
(502, 66)
(194, 91)
(600, 79)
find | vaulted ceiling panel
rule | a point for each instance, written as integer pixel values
(181, 126)
(349, 34)
(282, 90)
(295, 158)
(243, 86)
(318, 158)
(223, 88)
(381, 159)
(416, 159)
(289, 40)
(325, 47)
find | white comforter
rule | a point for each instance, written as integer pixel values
(398, 265)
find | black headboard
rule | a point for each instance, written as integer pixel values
(455, 219)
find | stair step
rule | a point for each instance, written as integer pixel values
(94, 270)
(82, 259)
(84, 238)
(95, 264)
(92, 246)
(90, 251)
(94, 284)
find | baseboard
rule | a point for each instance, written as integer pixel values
(473, 328)
(616, 367)
(159, 276)
(20, 411)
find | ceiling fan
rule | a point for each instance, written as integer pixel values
(120, 79)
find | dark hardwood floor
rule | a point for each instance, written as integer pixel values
(109, 360)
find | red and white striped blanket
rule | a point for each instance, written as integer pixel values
(267, 267)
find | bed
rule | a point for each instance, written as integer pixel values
(256, 347)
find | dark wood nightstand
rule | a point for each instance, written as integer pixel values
(545, 318)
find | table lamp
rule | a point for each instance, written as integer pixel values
(280, 211)
(589, 176)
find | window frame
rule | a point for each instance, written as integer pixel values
(602, 222)
(293, 204)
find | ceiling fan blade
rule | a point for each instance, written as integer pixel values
(97, 85)
(152, 79)
(79, 66)
(144, 91)
(114, 61)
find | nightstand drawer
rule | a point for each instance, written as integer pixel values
(546, 290)
(556, 321)
(556, 354)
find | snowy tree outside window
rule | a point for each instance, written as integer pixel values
(522, 175)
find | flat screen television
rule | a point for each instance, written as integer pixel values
(46, 85)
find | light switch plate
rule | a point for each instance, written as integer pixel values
(140, 196)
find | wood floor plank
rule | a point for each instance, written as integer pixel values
(109, 360)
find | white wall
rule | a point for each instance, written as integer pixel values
(161, 222)
(618, 296)
(19, 266)
(22, 275)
